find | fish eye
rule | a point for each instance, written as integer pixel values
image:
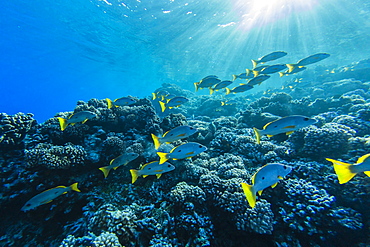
(179, 151)
(29, 204)
(171, 135)
(306, 119)
(200, 146)
(149, 168)
(168, 166)
(263, 178)
(285, 167)
(275, 126)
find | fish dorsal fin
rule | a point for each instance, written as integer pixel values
(173, 149)
(56, 188)
(264, 127)
(143, 166)
(362, 158)
(289, 132)
(260, 192)
(289, 127)
(274, 185)
(165, 134)
(158, 175)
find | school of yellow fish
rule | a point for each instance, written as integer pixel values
(266, 176)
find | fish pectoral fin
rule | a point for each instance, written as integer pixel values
(260, 192)
(181, 135)
(44, 202)
(190, 153)
(158, 175)
(289, 127)
(269, 135)
(159, 170)
(274, 185)
(289, 132)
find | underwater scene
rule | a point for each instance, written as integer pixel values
(185, 123)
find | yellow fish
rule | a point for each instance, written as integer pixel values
(346, 171)
(152, 168)
(283, 125)
(48, 196)
(79, 117)
(123, 159)
(266, 176)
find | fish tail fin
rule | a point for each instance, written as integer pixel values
(258, 135)
(211, 91)
(343, 170)
(249, 194)
(63, 123)
(255, 73)
(74, 187)
(196, 86)
(154, 96)
(134, 175)
(281, 74)
(156, 141)
(222, 103)
(163, 157)
(228, 91)
(163, 105)
(109, 102)
(235, 77)
(291, 67)
(255, 63)
(248, 71)
(105, 171)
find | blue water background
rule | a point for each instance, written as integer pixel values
(54, 53)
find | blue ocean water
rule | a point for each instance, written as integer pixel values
(285, 163)
(55, 53)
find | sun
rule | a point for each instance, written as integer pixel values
(256, 13)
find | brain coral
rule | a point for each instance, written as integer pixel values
(55, 157)
(13, 128)
(317, 143)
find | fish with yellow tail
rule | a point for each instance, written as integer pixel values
(79, 117)
(175, 134)
(283, 125)
(174, 102)
(268, 175)
(124, 101)
(219, 86)
(257, 80)
(121, 160)
(48, 196)
(239, 89)
(243, 76)
(270, 69)
(346, 171)
(269, 57)
(206, 82)
(152, 168)
(294, 71)
(308, 60)
(183, 151)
